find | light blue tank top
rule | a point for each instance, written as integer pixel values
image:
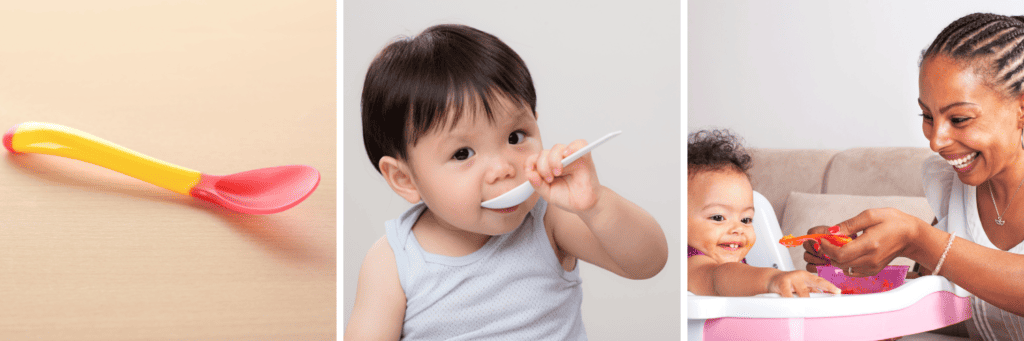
(511, 288)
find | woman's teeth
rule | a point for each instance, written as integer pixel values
(962, 162)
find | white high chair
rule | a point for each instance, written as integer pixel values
(919, 305)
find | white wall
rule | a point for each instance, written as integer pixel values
(815, 74)
(598, 66)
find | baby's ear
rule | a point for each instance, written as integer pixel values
(396, 173)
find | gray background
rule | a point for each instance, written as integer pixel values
(815, 74)
(598, 66)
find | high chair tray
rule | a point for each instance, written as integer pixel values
(919, 305)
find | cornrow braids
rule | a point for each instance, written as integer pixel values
(714, 150)
(990, 42)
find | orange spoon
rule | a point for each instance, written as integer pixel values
(835, 239)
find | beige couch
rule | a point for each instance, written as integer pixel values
(810, 187)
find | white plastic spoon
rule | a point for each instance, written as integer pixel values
(519, 194)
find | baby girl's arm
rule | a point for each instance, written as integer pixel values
(379, 310)
(707, 277)
(592, 222)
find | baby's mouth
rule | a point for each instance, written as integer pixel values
(730, 246)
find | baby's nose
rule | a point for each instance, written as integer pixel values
(500, 168)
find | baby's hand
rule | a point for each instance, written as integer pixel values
(801, 282)
(573, 188)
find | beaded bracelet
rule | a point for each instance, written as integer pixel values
(944, 253)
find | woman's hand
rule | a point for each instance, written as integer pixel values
(812, 250)
(800, 282)
(573, 188)
(887, 233)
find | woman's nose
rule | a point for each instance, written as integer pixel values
(939, 138)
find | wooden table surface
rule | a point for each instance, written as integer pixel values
(216, 86)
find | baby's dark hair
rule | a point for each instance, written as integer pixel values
(715, 150)
(992, 43)
(415, 83)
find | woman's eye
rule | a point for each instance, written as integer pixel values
(463, 154)
(958, 120)
(927, 117)
(748, 221)
(516, 137)
(717, 217)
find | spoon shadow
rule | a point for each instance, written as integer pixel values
(283, 234)
(291, 236)
(93, 178)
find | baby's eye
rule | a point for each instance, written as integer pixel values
(516, 137)
(718, 217)
(748, 221)
(463, 154)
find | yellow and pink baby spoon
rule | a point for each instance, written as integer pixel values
(260, 191)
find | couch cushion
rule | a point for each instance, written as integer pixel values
(776, 172)
(876, 171)
(804, 211)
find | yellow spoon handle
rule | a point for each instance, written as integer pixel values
(55, 139)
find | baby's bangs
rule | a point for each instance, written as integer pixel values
(431, 113)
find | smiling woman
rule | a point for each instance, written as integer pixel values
(972, 101)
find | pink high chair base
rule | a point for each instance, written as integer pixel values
(936, 310)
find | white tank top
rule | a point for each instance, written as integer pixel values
(956, 207)
(511, 288)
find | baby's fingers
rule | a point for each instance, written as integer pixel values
(544, 166)
(555, 156)
(827, 286)
(531, 170)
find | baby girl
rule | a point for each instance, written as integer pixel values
(720, 228)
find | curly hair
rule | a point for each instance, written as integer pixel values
(715, 150)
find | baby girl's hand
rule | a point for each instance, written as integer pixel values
(573, 188)
(801, 282)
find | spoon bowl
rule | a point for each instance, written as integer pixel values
(260, 191)
(522, 192)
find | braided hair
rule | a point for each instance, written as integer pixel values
(715, 150)
(992, 43)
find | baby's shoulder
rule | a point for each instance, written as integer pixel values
(379, 268)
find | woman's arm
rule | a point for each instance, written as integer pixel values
(616, 235)
(379, 311)
(992, 275)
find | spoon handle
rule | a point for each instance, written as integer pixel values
(58, 140)
(586, 149)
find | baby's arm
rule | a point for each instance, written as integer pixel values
(618, 236)
(593, 223)
(379, 310)
(707, 277)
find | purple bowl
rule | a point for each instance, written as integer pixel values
(891, 277)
